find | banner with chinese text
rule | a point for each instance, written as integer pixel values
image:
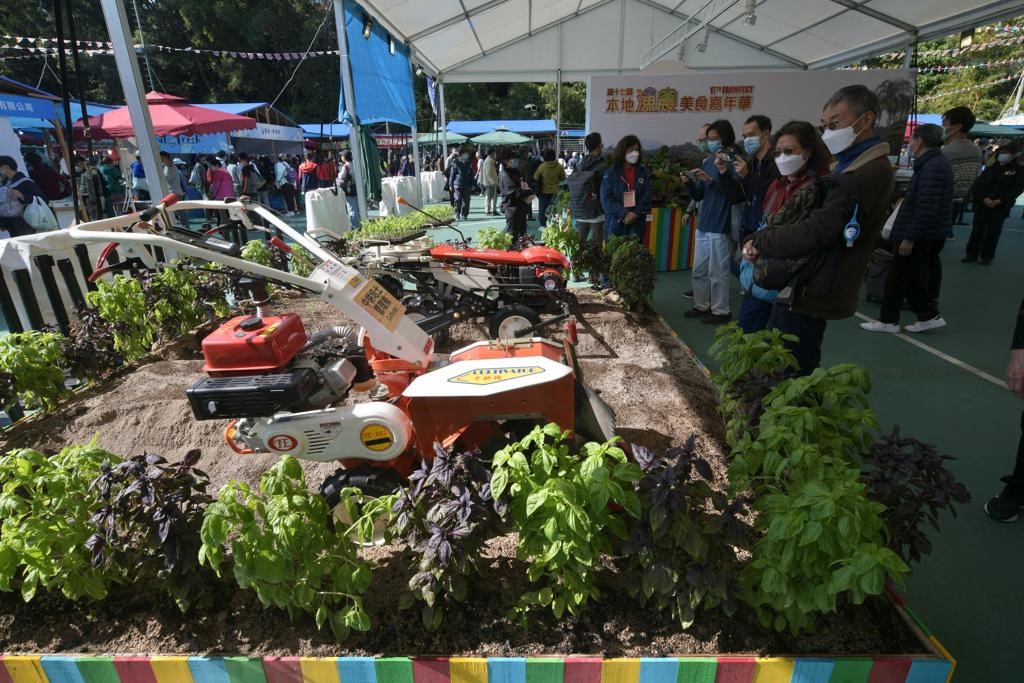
(669, 110)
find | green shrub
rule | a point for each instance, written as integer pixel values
(560, 234)
(302, 262)
(560, 506)
(257, 251)
(33, 361)
(283, 548)
(494, 238)
(45, 508)
(632, 273)
(173, 302)
(122, 303)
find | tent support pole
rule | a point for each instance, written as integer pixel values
(415, 136)
(444, 125)
(558, 114)
(131, 83)
(354, 139)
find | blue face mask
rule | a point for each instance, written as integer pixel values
(752, 144)
(714, 146)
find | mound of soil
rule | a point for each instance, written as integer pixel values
(660, 397)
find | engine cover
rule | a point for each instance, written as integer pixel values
(246, 345)
(367, 431)
(218, 398)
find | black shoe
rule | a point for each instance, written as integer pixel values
(1007, 506)
(696, 313)
(968, 259)
(715, 319)
(688, 295)
(985, 262)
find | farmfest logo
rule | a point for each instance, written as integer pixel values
(669, 101)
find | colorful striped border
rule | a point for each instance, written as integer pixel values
(670, 238)
(81, 669)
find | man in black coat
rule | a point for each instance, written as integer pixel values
(919, 232)
(995, 191)
(1007, 506)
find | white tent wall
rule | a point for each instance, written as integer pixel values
(530, 40)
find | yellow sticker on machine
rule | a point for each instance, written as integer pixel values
(376, 438)
(378, 302)
(495, 375)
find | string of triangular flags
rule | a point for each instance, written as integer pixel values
(976, 86)
(956, 51)
(962, 67)
(47, 46)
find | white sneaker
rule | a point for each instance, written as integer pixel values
(925, 325)
(879, 326)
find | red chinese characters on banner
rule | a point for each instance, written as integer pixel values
(650, 100)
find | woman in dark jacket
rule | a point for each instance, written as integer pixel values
(995, 192)
(516, 195)
(919, 233)
(626, 191)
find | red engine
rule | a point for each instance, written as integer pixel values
(248, 345)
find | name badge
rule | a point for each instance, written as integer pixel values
(629, 199)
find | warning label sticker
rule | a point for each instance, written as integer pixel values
(495, 375)
(376, 438)
(378, 302)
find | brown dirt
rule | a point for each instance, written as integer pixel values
(660, 397)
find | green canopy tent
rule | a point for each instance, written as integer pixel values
(435, 138)
(500, 136)
(990, 130)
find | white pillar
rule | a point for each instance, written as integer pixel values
(415, 142)
(558, 115)
(354, 138)
(134, 94)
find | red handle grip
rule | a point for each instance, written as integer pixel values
(277, 243)
(101, 261)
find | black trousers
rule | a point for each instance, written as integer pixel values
(1018, 470)
(288, 195)
(911, 277)
(809, 333)
(988, 225)
(515, 221)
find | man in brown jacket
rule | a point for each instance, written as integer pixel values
(838, 251)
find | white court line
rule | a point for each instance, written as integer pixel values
(944, 356)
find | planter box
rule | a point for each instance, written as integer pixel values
(935, 667)
(670, 237)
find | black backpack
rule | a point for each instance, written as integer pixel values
(585, 191)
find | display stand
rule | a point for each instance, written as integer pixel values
(670, 237)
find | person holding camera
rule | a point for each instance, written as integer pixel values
(713, 253)
(626, 191)
(755, 171)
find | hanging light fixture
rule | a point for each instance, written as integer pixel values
(749, 16)
(702, 46)
(367, 25)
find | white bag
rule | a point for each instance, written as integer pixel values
(326, 209)
(887, 228)
(39, 215)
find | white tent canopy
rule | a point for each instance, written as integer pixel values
(532, 40)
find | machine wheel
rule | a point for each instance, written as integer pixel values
(509, 320)
(373, 482)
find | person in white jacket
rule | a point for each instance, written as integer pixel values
(489, 181)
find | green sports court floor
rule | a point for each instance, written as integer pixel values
(948, 391)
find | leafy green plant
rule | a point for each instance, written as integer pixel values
(172, 301)
(681, 552)
(593, 258)
(560, 235)
(632, 273)
(257, 251)
(494, 238)
(397, 227)
(911, 480)
(122, 303)
(45, 506)
(820, 540)
(283, 548)
(212, 289)
(34, 360)
(445, 519)
(302, 262)
(561, 505)
(149, 523)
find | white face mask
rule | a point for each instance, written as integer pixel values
(633, 157)
(789, 164)
(840, 139)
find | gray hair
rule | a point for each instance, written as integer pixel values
(929, 134)
(858, 98)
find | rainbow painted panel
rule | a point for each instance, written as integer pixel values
(670, 238)
(71, 669)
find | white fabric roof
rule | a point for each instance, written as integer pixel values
(530, 40)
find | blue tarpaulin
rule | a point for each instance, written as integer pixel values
(381, 73)
(26, 107)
